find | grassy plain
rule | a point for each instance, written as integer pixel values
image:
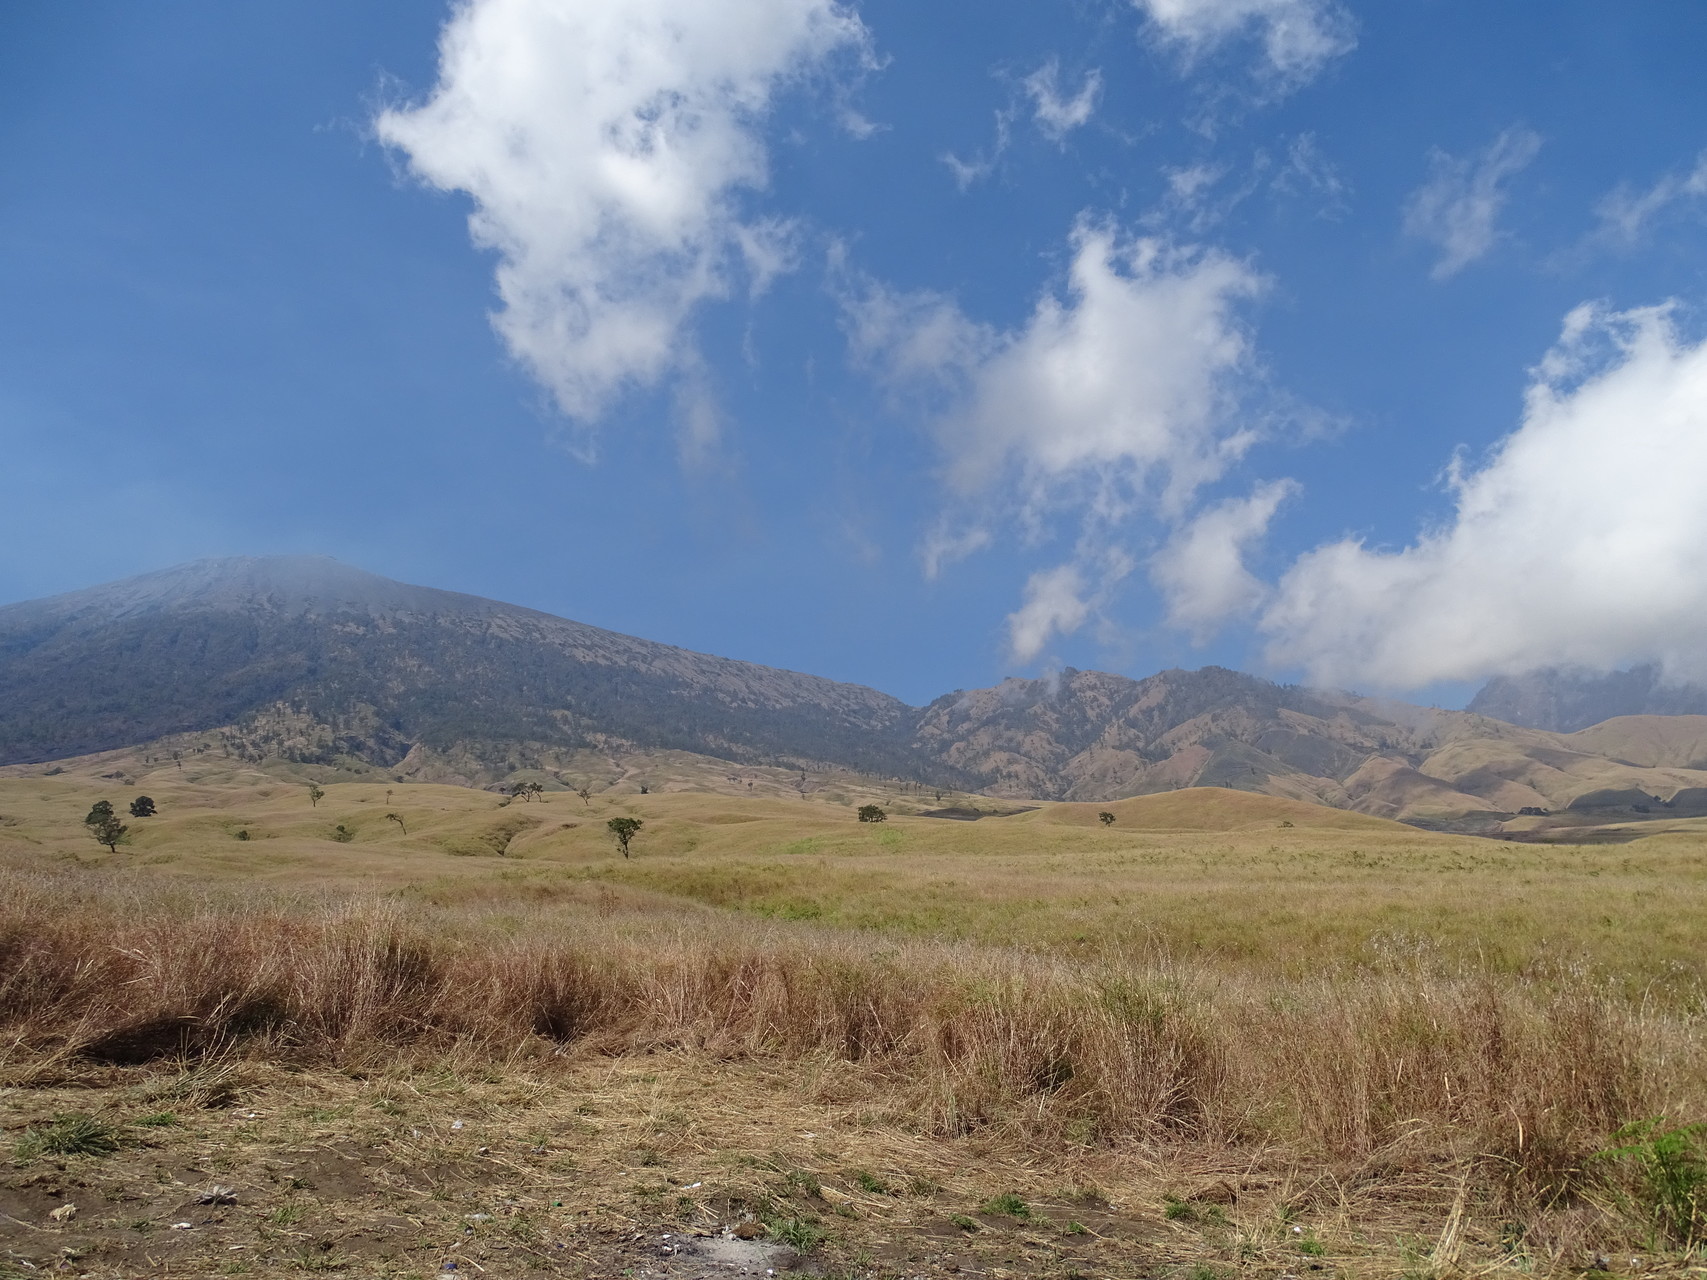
(1225, 1032)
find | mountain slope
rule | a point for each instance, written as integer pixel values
(1092, 736)
(385, 666)
(309, 661)
(1566, 701)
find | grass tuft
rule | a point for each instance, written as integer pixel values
(68, 1135)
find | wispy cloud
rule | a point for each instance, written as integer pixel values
(1298, 37)
(1200, 196)
(1056, 114)
(968, 172)
(1459, 207)
(1626, 212)
(1579, 543)
(604, 148)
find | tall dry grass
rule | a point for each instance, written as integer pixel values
(1530, 1076)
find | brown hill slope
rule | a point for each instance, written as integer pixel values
(1208, 809)
(1091, 736)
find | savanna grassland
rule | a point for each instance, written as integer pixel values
(1222, 1035)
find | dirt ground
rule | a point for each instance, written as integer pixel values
(650, 1167)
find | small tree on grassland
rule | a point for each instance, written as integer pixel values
(872, 813)
(586, 796)
(623, 831)
(315, 795)
(142, 807)
(104, 826)
(392, 817)
(1106, 818)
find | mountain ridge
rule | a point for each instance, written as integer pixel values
(307, 660)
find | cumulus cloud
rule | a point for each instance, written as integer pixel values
(1299, 37)
(1582, 541)
(1626, 212)
(1118, 397)
(605, 148)
(1201, 570)
(1056, 113)
(1127, 381)
(1458, 208)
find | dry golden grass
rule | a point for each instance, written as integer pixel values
(1384, 1033)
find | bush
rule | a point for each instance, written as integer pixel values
(872, 813)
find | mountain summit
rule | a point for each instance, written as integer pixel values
(385, 665)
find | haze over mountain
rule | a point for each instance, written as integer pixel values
(377, 668)
(307, 660)
(1565, 701)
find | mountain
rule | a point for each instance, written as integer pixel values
(306, 660)
(1566, 701)
(310, 659)
(1090, 735)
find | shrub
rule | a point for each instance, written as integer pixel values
(872, 813)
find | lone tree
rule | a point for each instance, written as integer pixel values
(315, 795)
(586, 796)
(872, 813)
(104, 826)
(142, 807)
(1106, 818)
(623, 831)
(392, 817)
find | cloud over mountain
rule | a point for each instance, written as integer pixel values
(1117, 397)
(1582, 542)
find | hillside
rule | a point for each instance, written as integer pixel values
(302, 662)
(307, 659)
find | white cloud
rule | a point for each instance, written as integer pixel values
(1054, 605)
(1056, 114)
(1118, 398)
(1299, 37)
(1458, 208)
(605, 147)
(1625, 213)
(1201, 570)
(1128, 380)
(1582, 542)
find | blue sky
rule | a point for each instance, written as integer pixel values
(912, 345)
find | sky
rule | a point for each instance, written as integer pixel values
(914, 345)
